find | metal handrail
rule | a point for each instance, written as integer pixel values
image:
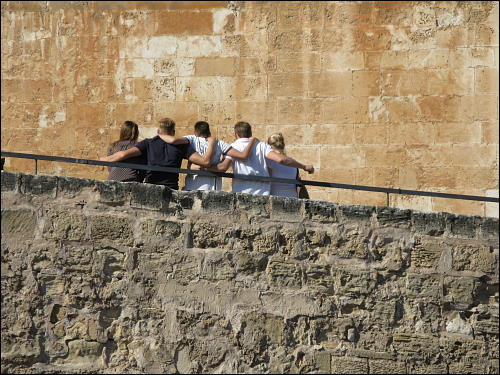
(247, 177)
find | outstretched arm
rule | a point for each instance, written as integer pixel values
(122, 155)
(243, 155)
(288, 161)
(174, 140)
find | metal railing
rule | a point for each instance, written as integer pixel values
(248, 177)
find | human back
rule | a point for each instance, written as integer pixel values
(129, 134)
(255, 165)
(277, 142)
(199, 143)
(162, 154)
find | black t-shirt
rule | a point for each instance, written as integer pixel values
(162, 154)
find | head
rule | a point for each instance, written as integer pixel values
(242, 130)
(129, 131)
(202, 129)
(166, 126)
(277, 142)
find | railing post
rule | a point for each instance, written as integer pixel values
(388, 199)
(36, 166)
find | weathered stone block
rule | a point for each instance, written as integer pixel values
(349, 365)
(112, 192)
(206, 235)
(252, 203)
(283, 274)
(433, 224)
(160, 230)
(356, 213)
(415, 346)
(427, 253)
(221, 203)
(379, 366)
(9, 181)
(459, 291)
(147, 195)
(321, 211)
(393, 217)
(429, 369)
(354, 282)
(38, 185)
(424, 286)
(71, 187)
(184, 199)
(284, 208)
(111, 228)
(319, 276)
(479, 258)
(489, 229)
(349, 244)
(266, 243)
(63, 225)
(19, 223)
(462, 226)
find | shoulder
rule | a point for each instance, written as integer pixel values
(265, 147)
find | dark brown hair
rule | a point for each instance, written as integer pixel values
(202, 129)
(167, 126)
(243, 129)
(128, 132)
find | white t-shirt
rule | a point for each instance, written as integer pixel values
(255, 165)
(282, 171)
(200, 145)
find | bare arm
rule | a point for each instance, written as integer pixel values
(173, 140)
(223, 166)
(122, 155)
(243, 155)
(204, 160)
(288, 161)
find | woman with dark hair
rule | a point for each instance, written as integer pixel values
(129, 133)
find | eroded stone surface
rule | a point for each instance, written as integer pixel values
(95, 283)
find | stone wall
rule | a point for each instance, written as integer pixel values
(390, 94)
(113, 277)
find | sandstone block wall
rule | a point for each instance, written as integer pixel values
(390, 94)
(109, 277)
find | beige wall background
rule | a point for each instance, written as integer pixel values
(390, 94)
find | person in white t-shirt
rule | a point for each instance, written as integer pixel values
(256, 164)
(277, 142)
(198, 142)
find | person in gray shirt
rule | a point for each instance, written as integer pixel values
(129, 133)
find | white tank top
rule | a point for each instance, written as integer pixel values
(282, 171)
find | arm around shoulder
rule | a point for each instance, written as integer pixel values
(122, 155)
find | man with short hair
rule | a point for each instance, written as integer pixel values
(163, 154)
(198, 142)
(256, 164)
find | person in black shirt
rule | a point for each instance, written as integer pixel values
(160, 153)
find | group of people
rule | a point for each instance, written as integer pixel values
(246, 155)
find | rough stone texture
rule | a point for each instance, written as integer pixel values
(96, 278)
(390, 94)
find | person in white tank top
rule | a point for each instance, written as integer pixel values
(277, 142)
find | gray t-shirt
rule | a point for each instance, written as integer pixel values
(126, 174)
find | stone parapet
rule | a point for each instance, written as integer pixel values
(104, 276)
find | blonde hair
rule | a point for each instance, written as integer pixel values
(277, 142)
(166, 126)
